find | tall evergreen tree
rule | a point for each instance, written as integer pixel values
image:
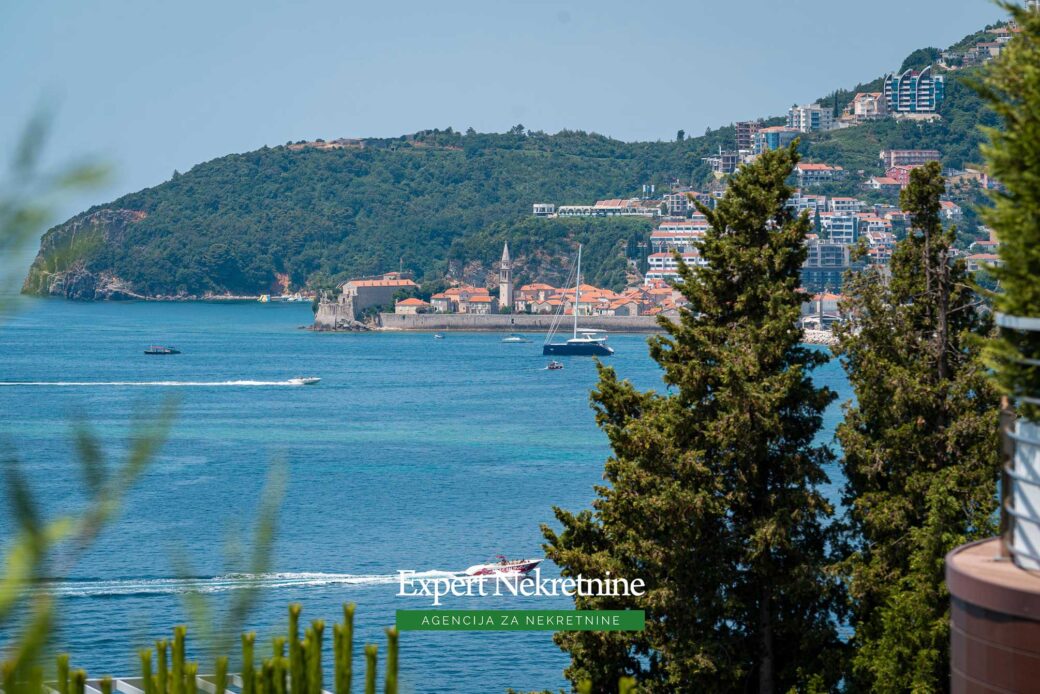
(713, 487)
(1011, 85)
(920, 446)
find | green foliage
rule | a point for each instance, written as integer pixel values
(920, 59)
(274, 675)
(920, 448)
(1011, 86)
(713, 489)
(232, 223)
(28, 196)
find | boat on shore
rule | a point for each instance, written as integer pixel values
(584, 343)
(160, 350)
(504, 567)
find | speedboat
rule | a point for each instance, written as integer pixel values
(304, 380)
(554, 365)
(438, 336)
(159, 349)
(515, 338)
(504, 567)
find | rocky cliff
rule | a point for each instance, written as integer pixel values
(63, 265)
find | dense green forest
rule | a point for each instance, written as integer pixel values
(438, 203)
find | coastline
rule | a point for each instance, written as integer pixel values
(508, 323)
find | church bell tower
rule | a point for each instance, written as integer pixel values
(505, 280)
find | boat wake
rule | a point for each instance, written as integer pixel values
(159, 384)
(89, 588)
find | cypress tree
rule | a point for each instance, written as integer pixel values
(1011, 86)
(713, 487)
(920, 448)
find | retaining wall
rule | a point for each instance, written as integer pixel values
(504, 322)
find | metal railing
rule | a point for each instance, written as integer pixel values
(1020, 472)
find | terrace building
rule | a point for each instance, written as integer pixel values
(908, 157)
(632, 207)
(840, 228)
(810, 118)
(678, 204)
(867, 106)
(663, 266)
(825, 266)
(914, 92)
(845, 205)
(723, 163)
(809, 174)
(776, 137)
(678, 236)
(884, 184)
(800, 202)
(746, 131)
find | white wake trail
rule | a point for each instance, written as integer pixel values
(292, 382)
(215, 584)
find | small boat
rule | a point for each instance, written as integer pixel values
(438, 336)
(515, 338)
(304, 381)
(554, 365)
(504, 567)
(159, 349)
(264, 299)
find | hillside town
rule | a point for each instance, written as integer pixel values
(849, 232)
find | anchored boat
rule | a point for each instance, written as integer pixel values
(160, 350)
(584, 343)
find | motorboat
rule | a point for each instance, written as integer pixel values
(504, 567)
(304, 380)
(515, 338)
(554, 365)
(160, 350)
(438, 336)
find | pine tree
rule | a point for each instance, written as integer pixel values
(1011, 85)
(713, 496)
(920, 446)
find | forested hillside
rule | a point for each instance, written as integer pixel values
(438, 203)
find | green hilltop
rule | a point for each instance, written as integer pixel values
(438, 203)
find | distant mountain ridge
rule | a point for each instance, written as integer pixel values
(438, 203)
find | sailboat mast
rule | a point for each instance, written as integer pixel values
(577, 292)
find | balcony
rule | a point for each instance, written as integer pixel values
(995, 584)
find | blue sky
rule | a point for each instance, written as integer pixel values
(154, 86)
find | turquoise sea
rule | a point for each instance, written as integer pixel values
(412, 453)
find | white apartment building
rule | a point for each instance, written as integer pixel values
(800, 202)
(678, 204)
(663, 266)
(845, 205)
(810, 118)
(840, 228)
(679, 236)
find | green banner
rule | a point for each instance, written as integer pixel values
(520, 620)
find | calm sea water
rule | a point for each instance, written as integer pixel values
(412, 453)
